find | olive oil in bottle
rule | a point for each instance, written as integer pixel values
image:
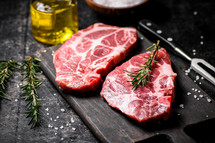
(54, 21)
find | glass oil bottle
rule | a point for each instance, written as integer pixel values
(54, 21)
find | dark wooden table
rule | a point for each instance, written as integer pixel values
(189, 22)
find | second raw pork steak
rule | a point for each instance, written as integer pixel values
(150, 102)
(91, 53)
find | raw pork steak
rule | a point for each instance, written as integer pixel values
(91, 53)
(150, 102)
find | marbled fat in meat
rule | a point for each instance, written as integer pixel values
(145, 103)
(91, 53)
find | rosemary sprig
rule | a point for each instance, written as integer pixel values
(31, 69)
(6, 71)
(142, 76)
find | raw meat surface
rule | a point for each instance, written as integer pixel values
(145, 103)
(91, 53)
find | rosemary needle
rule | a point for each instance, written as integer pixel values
(142, 76)
(31, 69)
(6, 71)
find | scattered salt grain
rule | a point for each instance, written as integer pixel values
(195, 13)
(51, 119)
(193, 89)
(55, 94)
(67, 124)
(188, 93)
(202, 77)
(200, 83)
(179, 114)
(201, 37)
(207, 116)
(44, 51)
(52, 53)
(181, 106)
(50, 126)
(197, 77)
(20, 84)
(55, 133)
(47, 113)
(170, 39)
(194, 50)
(159, 31)
(186, 73)
(194, 53)
(55, 120)
(196, 89)
(73, 128)
(62, 139)
(61, 127)
(195, 96)
(209, 100)
(57, 117)
(141, 38)
(148, 24)
(199, 91)
(201, 96)
(16, 100)
(62, 110)
(201, 42)
(194, 81)
(56, 128)
(72, 120)
(17, 85)
(47, 109)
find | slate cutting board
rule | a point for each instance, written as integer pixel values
(110, 125)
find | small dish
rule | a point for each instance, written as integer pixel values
(109, 9)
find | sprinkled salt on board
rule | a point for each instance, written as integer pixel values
(201, 42)
(62, 110)
(73, 128)
(47, 109)
(195, 96)
(170, 39)
(181, 106)
(201, 96)
(209, 100)
(16, 100)
(159, 31)
(188, 93)
(195, 13)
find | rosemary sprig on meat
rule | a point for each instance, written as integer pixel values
(31, 69)
(6, 71)
(142, 76)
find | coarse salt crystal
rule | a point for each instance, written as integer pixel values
(202, 77)
(141, 38)
(51, 119)
(72, 120)
(195, 13)
(201, 42)
(16, 100)
(194, 81)
(207, 116)
(44, 51)
(209, 100)
(62, 110)
(17, 85)
(20, 84)
(197, 77)
(55, 120)
(200, 83)
(73, 128)
(201, 96)
(179, 114)
(67, 124)
(201, 37)
(181, 105)
(47, 109)
(57, 117)
(62, 139)
(188, 93)
(194, 53)
(61, 127)
(194, 50)
(195, 89)
(47, 113)
(199, 91)
(56, 128)
(195, 96)
(50, 126)
(55, 133)
(186, 73)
